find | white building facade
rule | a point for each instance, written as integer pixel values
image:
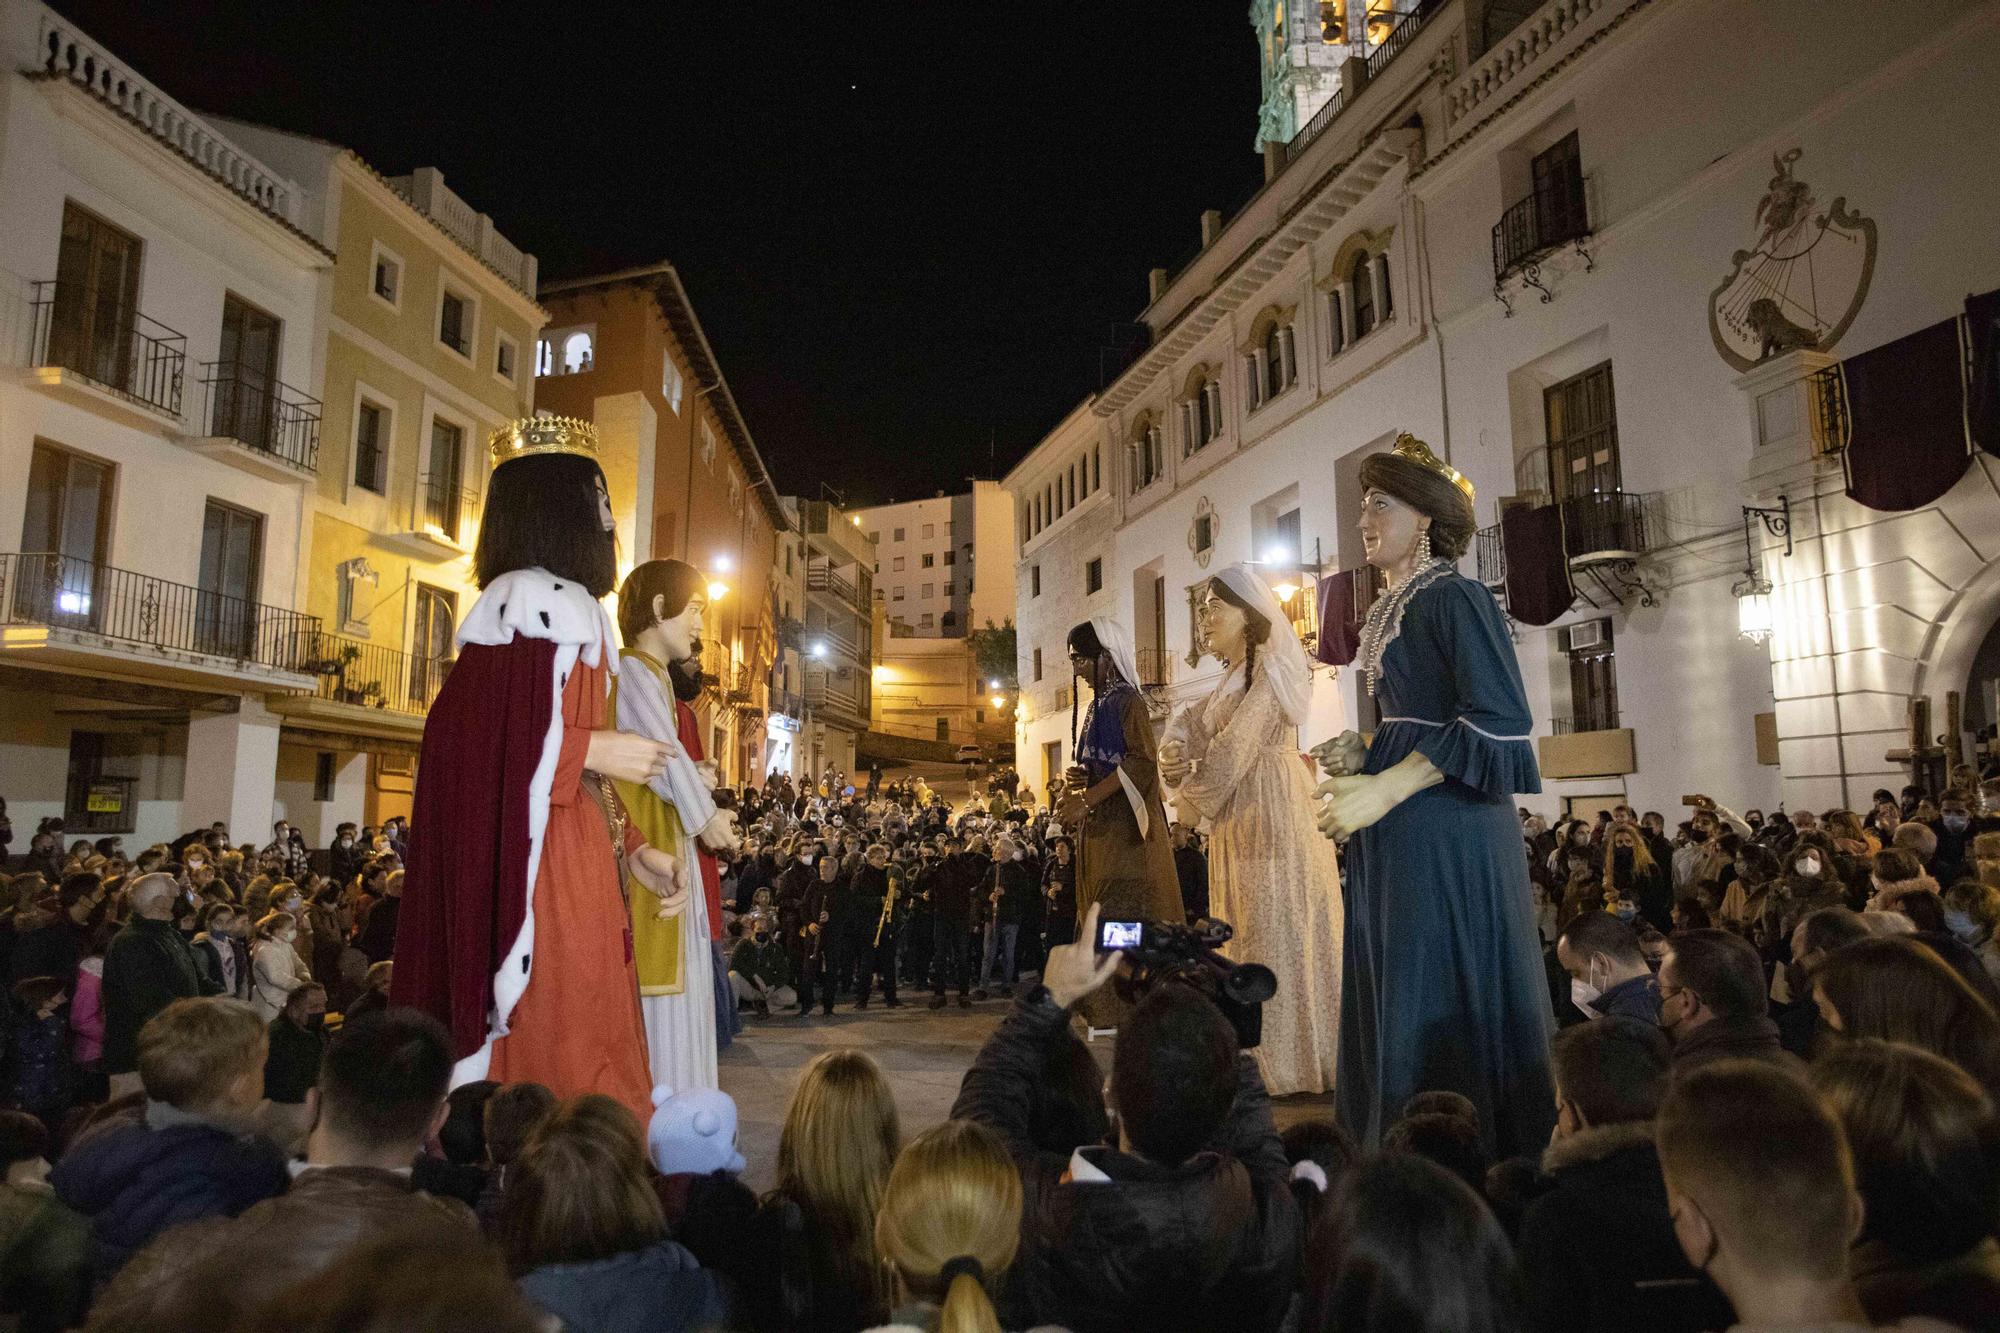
(927, 559)
(158, 434)
(1519, 240)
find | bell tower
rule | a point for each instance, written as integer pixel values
(1301, 45)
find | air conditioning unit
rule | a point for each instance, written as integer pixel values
(1589, 634)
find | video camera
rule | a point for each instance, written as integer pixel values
(1153, 952)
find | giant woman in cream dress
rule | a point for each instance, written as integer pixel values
(1272, 877)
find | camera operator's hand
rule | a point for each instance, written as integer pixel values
(1075, 970)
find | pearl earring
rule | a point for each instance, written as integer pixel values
(1424, 547)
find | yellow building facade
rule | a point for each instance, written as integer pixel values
(431, 329)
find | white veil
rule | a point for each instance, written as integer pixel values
(1280, 658)
(1113, 638)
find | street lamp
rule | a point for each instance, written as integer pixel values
(818, 650)
(721, 562)
(717, 590)
(999, 701)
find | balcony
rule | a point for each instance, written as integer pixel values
(443, 522)
(1156, 668)
(837, 701)
(262, 426)
(822, 577)
(89, 336)
(70, 614)
(1610, 527)
(1490, 555)
(1556, 213)
(365, 687)
(1588, 747)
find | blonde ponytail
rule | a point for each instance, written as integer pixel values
(967, 1308)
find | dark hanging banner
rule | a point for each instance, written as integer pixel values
(1982, 330)
(1906, 414)
(1341, 617)
(1538, 586)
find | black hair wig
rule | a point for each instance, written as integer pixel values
(541, 512)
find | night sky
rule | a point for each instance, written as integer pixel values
(908, 229)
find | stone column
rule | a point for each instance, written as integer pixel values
(232, 770)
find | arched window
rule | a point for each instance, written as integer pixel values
(576, 355)
(1336, 322)
(1362, 285)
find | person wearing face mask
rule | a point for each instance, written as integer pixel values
(1956, 826)
(1608, 972)
(1971, 914)
(1753, 873)
(760, 971)
(1631, 875)
(1714, 1002)
(344, 857)
(275, 970)
(298, 1040)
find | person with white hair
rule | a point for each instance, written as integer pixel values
(1236, 761)
(148, 966)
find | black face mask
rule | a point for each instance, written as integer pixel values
(313, 1022)
(1698, 836)
(1621, 859)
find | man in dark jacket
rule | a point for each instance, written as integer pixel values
(381, 1095)
(1191, 868)
(869, 926)
(819, 922)
(377, 938)
(1603, 953)
(298, 1042)
(345, 858)
(1189, 1223)
(1597, 1249)
(951, 897)
(1714, 1002)
(147, 968)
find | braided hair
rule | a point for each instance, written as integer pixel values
(1256, 629)
(1083, 641)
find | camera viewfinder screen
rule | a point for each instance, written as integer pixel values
(1120, 935)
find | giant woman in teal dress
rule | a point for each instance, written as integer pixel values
(1443, 986)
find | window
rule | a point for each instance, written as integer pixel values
(930, 530)
(951, 590)
(1582, 423)
(242, 399)
(707, 443)
(1096, 466)
(943, 728)
(1558, 180)
(897, 595)
(1201, 413)
(928, 620)
(1034, 580)
(896, 563)
(1336, 325)
(1038, 664)
(930, 590)
(672, 385)
(323, 776)
(431, 642)
(899, 534)
(504, 356)
(1593, 683)
(455, 319)
(371, 448)
(442, 479)
(930, 560)
(385, 281)
(1093, 576)
(1269, 368)
(1145, 455)
(232, 555)
(950, 558)
(579, 353)
(1362, 285)
(949, 620)
(68, 516)
(874, 539)
(96, 301)
(1388, 293)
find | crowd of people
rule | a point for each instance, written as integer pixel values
(1775, 1074)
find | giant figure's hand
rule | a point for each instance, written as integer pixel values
(1343, 756)
(1174, 765)
(1350, 804)
(719, 834)
(711, 775)
(663, 876)
(626, 756)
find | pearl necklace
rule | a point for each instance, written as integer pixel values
(1385, 618)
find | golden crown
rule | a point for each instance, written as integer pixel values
(1414, 450)
(542, 435)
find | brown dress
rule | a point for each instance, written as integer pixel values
(1132, 876)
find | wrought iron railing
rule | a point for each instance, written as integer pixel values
(266, 415)
(1313, 128)
(370, 675)
(1554, 213)
(445, 507)
(1602, 719)
(788, 702)
(1490, 554)
(1609, 525)
(1392, 45)
(821, 578)
(1827, 396)
(1378, 61)
(93, 334)
(63, 592)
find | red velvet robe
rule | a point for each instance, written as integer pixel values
(711, 874)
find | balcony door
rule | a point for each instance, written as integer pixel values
(96, 299)
(431, 642)
(232, 552)
(1558, 180)
(246, 375)
(442, 473)
(64, 537)
(1584, 474)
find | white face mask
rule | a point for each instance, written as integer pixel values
(1807, 865)
(1584, 996)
